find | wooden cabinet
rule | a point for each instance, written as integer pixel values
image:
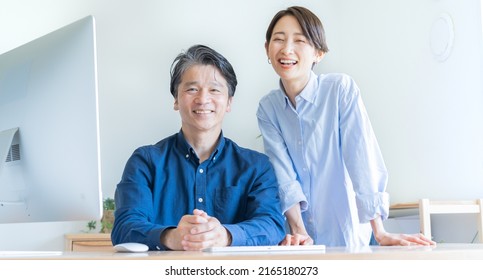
(88, 242)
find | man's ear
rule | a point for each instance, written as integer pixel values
(176, 106)
(228, 107)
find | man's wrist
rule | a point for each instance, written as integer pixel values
(229, 238)
(166, 238)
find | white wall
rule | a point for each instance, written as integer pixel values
(427, 115)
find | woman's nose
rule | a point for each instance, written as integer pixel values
(287, 49)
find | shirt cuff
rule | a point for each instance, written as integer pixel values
(238, 237)
(369, 206)
(292, 194)
(154, 239)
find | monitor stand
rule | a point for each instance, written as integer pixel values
(6, 140)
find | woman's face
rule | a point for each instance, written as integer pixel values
(290, 52)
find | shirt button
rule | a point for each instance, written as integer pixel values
(200, 200)
(201, 171)
(187, 155)
(300, 142)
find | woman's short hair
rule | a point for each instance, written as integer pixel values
(311, 25)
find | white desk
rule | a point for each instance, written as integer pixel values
(439, 252)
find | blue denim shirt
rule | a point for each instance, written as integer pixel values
(165, 181)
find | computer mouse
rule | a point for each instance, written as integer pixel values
(131, 247)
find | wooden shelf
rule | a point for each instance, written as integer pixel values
(409, 205)
(88, 242)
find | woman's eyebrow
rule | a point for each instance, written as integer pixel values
(283, 33)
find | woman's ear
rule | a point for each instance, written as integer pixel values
(318, 56)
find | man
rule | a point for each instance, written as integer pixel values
(197, 189)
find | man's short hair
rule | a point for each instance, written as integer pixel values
(201, 55)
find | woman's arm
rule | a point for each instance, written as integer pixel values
(298, 234)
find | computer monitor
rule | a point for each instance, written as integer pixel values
(49, 128)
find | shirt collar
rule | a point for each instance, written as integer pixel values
(309, 93)
(186, 148)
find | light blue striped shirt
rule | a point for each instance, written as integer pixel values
(326, 157)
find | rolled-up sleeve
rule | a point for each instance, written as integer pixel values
(362, 155)
(370, 206)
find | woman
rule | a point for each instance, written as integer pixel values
(330, 170)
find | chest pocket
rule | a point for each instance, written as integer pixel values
(230, 204)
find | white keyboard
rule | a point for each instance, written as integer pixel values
(305, 248)
(27, 254)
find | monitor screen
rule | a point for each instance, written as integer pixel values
(49, 128)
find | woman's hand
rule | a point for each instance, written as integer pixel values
(297, 239)
(395, 239)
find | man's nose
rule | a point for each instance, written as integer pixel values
(203, 96)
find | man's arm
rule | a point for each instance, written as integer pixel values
(263, 222)
(134, 205)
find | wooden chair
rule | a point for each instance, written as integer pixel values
(428, 207)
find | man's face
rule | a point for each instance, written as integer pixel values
(202, 99)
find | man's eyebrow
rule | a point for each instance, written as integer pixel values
(195, 83)
(218, 84)
(190, 83)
